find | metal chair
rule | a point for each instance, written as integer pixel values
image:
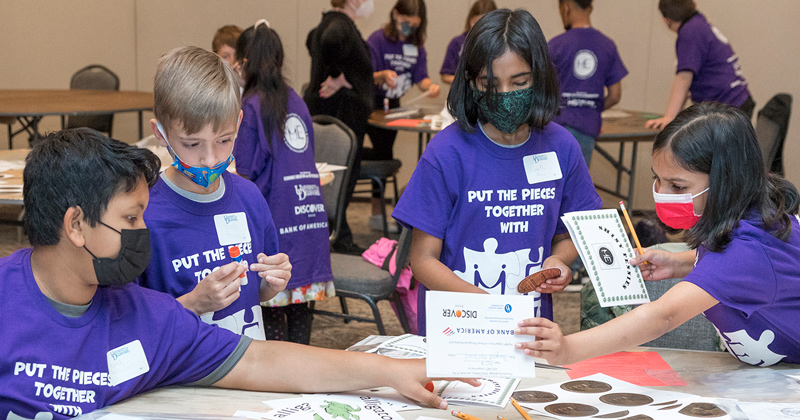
(334, 143)
(93, 77)
(771, 127)
(379, 173)
(356, 278)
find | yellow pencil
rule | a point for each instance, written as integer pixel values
(630, 226)
(520, 409)
(499, 417)
(463, 416)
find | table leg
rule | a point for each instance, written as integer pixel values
(140, 125)
(420, 139)
(632, 175)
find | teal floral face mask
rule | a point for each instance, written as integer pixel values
(511, 111)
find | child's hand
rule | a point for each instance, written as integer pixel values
(657, 123)
(433, 90)
(559, 283)
(275, 269)
(409, 378)
(387, 76)
(661, 264)
(550, 343)
(216, 291)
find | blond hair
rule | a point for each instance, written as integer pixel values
(195, 87)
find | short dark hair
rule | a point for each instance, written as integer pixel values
(497, 32)
(583, 4)
(408, 8)
(718, 140)
(677, 10)
(480, 7)
(260, 51)
(78, 167)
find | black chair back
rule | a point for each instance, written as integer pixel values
(334, 143)
(93, 77)
(771, 128)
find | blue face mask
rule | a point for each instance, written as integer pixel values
(406, 29)
(200, 175)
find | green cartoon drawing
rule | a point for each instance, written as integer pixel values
(337, 409)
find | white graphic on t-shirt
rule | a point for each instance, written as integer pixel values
(717, 33)
(584, 65)
(499, 273)
(295, 133)
(402, 85)
(245, 322)
(42, 415)
(754, 352)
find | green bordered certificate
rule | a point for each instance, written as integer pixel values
(605, 250)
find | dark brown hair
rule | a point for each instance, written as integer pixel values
(481, 7)
(677, 10)
(408, 8)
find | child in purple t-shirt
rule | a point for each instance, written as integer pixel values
(202, 217)
(588, 64)
(453, 54)
(275, 150)
(742, 273)
(486, 197)
(399, 61)
(707, 66)
(78, 335)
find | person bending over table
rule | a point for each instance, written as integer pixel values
(78, 335)
(742, 273)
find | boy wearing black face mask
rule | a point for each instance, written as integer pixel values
(590, 73)
(71, 344)
(399, 61)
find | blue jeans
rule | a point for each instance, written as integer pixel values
(585, 141)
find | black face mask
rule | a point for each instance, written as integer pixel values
(130, 263)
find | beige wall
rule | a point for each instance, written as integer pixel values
(47, 40)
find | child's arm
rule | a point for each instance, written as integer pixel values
(428, 270)
(274, 365)
(562, 253)
(677, 98)
(614, 95)
(275, 272)
(427, 85)
(448, 78)
(216, 291)
(681, 303)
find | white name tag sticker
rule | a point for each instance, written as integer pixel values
(232, 228)
(542, 167)
(126, 362)
(410, 50)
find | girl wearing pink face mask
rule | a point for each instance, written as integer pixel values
(742, 272)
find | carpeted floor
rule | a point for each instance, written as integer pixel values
(330, 332)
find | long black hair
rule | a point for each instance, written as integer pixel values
(495, 33)
(717, 140)
(260, 52)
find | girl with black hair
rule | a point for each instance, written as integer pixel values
(743, 271)
(486, 198)
(275, 150)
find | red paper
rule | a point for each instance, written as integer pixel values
(405, 122)
(643, 368)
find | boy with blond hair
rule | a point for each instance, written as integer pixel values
(201, 216)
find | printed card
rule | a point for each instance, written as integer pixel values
(605, 250)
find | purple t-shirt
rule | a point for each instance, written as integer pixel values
(286, 175)
(190, 239)
(407, 60)
(703, 50)
(54, 365)
(756, 280)
(586, 62)
(496, 209)
(453, 54)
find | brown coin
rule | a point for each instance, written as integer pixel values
(626, 399)
(571, 410)
(612, 415)
(586, 387)
(702, 410)
(530, 283)
(534, 396)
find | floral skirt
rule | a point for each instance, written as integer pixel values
(302, 294)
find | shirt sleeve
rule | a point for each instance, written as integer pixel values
(450, 58)
(689, 53)
(740, 276)
(421, 68)
(579, 193)
(244, 148)
(375, 52)
(426, 203)
(617, 70)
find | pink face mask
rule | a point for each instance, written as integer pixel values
(676, 210)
